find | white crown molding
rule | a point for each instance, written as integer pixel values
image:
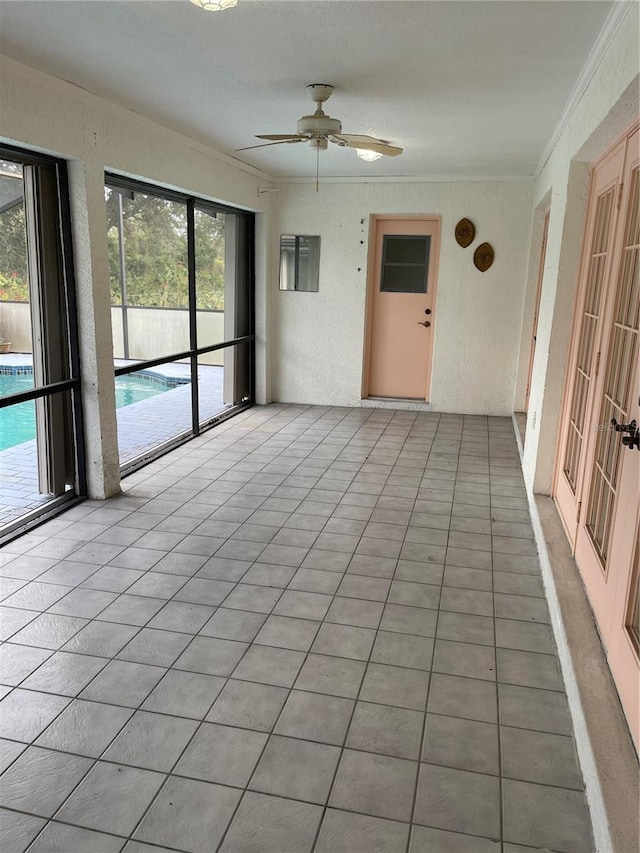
(408, 179)
(617, 16)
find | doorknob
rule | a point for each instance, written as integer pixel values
(424, 323)
(632, 439)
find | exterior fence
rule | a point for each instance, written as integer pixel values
(153, 332)
(156, 332)
(15, 325)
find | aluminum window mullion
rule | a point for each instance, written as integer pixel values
(122, 269)
(49, 326)
(296, 265)
(193, 318)
(66, 242)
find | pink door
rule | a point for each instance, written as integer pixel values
(402, 285)
(585, 349)
(608, 469)
(608, 528)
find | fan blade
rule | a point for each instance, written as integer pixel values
(368, 143)
(267, 144)
(281, 136)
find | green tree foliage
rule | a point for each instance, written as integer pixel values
(14, 279)
(155, 249)
(155, 241)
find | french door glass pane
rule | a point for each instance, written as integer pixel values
(616, 393)
(598, 251)
(634, 601)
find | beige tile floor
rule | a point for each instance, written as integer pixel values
(311, 629)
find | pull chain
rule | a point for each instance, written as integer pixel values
(317, 165)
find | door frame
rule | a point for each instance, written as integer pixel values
(536, 309)
(570, 524)
(609, 585)
(374, 218)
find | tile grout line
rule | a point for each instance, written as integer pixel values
(362, 680)
(275, 723)
(201, 725)
(429, 685)
(501, 815)
(291, 689)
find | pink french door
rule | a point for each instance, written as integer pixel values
(587, 332)
(598, 472)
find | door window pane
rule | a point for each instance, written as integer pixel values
(405, 263)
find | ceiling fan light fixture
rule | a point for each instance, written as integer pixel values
(369, 156)
(215, 5)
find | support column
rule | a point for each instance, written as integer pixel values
(564, 249)
(88, 212)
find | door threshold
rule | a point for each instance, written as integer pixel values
(405, 403)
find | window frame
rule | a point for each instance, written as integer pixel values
(72, 384)
(193, 203)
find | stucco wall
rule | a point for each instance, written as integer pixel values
(607, 108)
(318, 337)
(48, 114)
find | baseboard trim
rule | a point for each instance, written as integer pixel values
(605, 750)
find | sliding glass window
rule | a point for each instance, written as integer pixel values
(41, 458)
(181, 275)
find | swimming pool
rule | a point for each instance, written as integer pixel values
(18, 423)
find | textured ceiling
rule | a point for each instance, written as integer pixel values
(466, 88)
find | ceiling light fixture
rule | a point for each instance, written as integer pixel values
(369, 156)
(215, 5)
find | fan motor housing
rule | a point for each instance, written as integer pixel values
(318, 125)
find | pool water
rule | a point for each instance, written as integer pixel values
(18, 423)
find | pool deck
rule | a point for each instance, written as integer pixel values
(163, 416)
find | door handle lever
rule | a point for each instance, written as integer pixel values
(424, 323)
(630, 427)
(632, 439)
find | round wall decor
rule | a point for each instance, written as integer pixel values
(465, 233)
(483, 256)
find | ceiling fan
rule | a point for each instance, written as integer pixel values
(319, 129)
